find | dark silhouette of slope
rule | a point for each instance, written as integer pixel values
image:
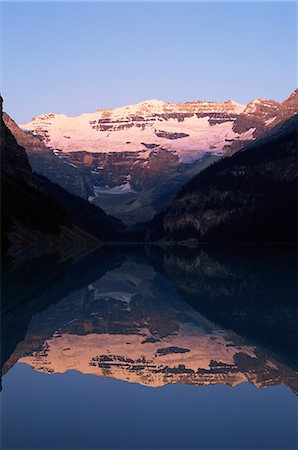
(249, 197)
(38, 213)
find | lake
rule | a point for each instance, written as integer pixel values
(133, 347)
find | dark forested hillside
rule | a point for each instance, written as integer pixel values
(39, 214)
(249, 197)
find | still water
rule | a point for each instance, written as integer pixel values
(150, 348)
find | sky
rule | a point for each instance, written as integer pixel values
(76, 57)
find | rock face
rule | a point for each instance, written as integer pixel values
(148, 150)
(39, 214)
(251, 196)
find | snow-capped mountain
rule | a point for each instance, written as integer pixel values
(187, 129)
(149, 150)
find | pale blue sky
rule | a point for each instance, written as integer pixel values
(78, 57)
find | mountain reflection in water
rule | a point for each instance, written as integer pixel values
(154, 317)
(137, 316)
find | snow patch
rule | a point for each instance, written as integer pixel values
(124, 188)
(269, 121)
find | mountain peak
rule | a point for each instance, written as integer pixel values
(293, 98)
(146, 104)
(152, 102)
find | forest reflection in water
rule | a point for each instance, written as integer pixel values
(156, 317)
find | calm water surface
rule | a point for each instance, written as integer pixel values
(144, 348)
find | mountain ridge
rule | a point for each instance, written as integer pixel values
(59, 130)
(146, 152)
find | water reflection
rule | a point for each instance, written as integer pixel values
(156, 317)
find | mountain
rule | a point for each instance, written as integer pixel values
(185, 129)
(249, 197)
(39, 214)
(133, 160)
